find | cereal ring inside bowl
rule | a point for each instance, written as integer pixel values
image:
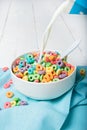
(50, 71)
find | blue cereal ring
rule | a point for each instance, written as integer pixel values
(30, 60)
(30, 70)
(22, 64)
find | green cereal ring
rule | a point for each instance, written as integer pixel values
(36, 76)
(43, 64)
(61, 69)
(16, 99)
(21, 58)
(30, 55)
(35, 72)
(48, 64)
(55, 79)
(41, 77)
(67, 68)
(18, 103)
(31, 77)
(55, 67)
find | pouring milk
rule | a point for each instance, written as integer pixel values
(65, 6)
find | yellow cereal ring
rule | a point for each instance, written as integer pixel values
(70, 72)
(49, 69)
(25, 73)
(25, 78)
(58, 71)
(13, 103)
(15, 69)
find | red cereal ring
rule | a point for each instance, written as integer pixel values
(17, 61)
(10, 81)
(65, 72)
(7, 105)
(7, 85)
(5, 69)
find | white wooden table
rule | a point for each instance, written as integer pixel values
(22, 23)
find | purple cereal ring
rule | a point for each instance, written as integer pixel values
(62, 76)
(23, 69)
(41, 72)
(23, 103)
(60, 63)
(28, 66)
(36, 59)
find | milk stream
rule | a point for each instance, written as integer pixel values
(65, 6)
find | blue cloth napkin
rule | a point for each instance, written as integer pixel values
(67, 112)
(79, 7)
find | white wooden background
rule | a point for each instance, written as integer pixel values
(22, 23)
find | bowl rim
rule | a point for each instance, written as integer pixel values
(39, 82)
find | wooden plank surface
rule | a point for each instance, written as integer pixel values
(22, 23)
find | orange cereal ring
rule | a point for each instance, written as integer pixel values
(15, 69)
(82, 72)
(53, 73)
(50, 75)
(19, 75)
(43, 81)
(39, 67)
(70, 72)
(47, 78)
(35, 54)
(9, 94)
(52, 57)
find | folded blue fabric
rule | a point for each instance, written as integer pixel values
(67, 112)
(79, 7)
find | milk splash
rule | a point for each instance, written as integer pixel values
(64, 7)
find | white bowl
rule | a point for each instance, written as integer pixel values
(43, 91)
